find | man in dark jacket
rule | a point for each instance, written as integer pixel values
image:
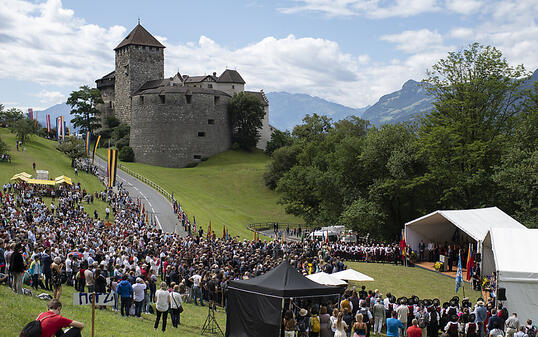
(495, 322)
(46, 261)
(125, 291)
(17, 267)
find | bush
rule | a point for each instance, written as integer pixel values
(120, 144)
(127, 154)
(112, 122)
(121, 131)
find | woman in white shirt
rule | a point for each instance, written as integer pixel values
(175, 305)
(162, 303)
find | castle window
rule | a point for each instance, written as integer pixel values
(189, 98)
(201, 134)
(110, 104)
(233, 86)
(141, 99)
(197, 156)
(211, 121)
(216, 99)
(162, 98)
(210, 86)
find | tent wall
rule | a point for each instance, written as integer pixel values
(252, 315)
(434, 229)
(522, 297)
(488, 259)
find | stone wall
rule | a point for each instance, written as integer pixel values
(176, 133)
(135, 65)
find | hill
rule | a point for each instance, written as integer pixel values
(55, 111)
(287, 110)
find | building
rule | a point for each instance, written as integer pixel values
(175, 121)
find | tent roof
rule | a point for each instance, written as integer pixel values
(512, 251)
(326, 279)
(41, 182)
(284, 281)
(352, 275)
(475, 222)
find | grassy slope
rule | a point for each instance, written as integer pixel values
(403, 281)
(43, 152)
(227, 189)
(16, 311)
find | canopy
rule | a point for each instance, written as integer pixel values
(63, 180)
(40, 182)
(21, 176)
(326, 279)
(284, 281)
(441, 225)
(511, 253)
(351, 275)
(255, 306)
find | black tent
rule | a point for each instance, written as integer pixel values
(255, 306)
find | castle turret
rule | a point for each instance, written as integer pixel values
(139, 58)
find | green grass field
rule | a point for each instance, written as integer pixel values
(17, 310)
(43, 152)
(227, 189)
(405, 281)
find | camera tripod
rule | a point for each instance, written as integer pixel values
(211, 326)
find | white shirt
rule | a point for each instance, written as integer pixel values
(196, 279)
(162, 299)
(138, 290)
(175, 300)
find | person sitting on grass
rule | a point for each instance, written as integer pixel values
(52, 322)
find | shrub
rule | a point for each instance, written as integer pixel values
(127, 154)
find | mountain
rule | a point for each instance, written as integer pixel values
(55, 111)
(401, 105)
(287, 110)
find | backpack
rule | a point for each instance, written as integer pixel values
(303, 325)
(531, 332)
(33, 329)
(314, 321)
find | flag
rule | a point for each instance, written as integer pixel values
(194, 223)
(112, 165)
(283, 237)
(95, 148)
(470, 261)
(62, 127)
(402, 243)
(208, 235)
(88, 141)
(58, 131)
(47, 118)
(224, 232)
(459, 274)
(31, 114)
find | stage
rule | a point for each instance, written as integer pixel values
(452, 274)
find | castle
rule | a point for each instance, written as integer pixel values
(175, 121)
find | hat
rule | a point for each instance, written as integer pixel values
(480, 303)
(303, 312)
(138, 280)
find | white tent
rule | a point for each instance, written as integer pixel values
(513, 255)
(351, 275)
(440, 226)
(326, 279)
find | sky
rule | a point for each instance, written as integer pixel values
(347, 51)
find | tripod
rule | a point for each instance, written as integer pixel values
(211, 326)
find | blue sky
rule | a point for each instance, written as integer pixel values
(347, 51)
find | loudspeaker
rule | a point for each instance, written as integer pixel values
(501, 294)
(477, 257)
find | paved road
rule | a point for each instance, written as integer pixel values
(152, 200)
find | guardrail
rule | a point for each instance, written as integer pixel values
(263, 226)
(146, 181)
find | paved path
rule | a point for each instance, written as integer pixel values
(152, 200)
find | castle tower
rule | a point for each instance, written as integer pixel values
(139, 58)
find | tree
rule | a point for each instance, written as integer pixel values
(278, 139)
(7, 117)
(3, 147)
(476, 100)
(246, 115)
(74, 148)
(24, 128)
(84, 107)
(127, 154)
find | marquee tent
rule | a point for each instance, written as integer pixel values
(326, 279)
(440, 226)
(511, 254)
(352, 275)
(255, 306)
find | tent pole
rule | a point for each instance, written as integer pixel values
(280, 323)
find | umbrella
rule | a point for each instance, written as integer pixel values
(78, 255)
(351, 275)
(326, 279)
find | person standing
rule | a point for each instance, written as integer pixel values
(324, 323)
(52, 322)
(56, 275)
(17, 268)
(512, 325)
(379, 316)
(414, 330)
(35, 271)
(125, 292)
(403, 312)
(90, 280)
(162, 304)
(46, 262)
(175, 306)
(481, 314)
(393, 325)
(196, 289)
(138, 289)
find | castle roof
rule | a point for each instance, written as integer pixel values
(106, 81)
(260, 95)
(230, 76)
(164, 86)
(140, 36)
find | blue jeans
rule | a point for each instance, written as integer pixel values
(125, 306)
(116, 300)
(138, 308)
(197, 292)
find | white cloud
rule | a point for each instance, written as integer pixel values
(51, 97)
(465, 7)
(413, 41)
(461, 33)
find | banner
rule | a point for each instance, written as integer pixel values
(459, 274)
(87, 298)
(95, 148)
(112, 166)
(31, 114)
(48, 123)
(88, 141)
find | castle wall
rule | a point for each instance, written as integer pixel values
(265, 131)
(135, 65)
(167, 134)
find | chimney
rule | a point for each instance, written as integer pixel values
(214, 73)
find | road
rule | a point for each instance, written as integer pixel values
(153, 201)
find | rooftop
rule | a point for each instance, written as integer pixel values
(141, 37)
